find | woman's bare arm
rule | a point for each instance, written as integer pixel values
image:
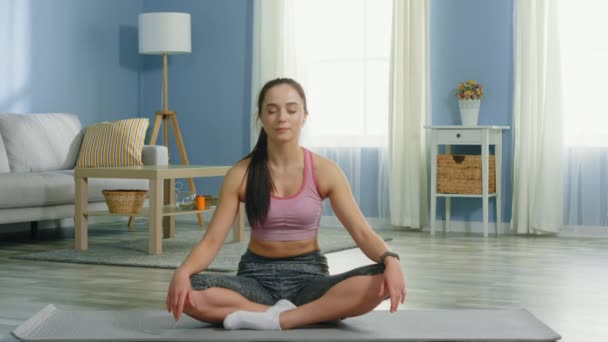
(225, 213)
(348, 212)
(371, 244)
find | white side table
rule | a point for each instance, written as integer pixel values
(468, 135)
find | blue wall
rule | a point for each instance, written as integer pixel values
(209, 88)
(70, 56)
(473, 39)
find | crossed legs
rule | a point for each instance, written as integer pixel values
(351, 297)
(212, 305)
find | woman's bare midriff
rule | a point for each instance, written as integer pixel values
(282, 249)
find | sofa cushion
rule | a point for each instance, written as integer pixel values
(40, 142)
(54, 187)
(117, 143)
(4, 166)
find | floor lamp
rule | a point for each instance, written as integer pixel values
(167, 33)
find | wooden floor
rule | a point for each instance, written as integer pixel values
(563, 281)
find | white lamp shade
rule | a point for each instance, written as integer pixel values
(164, 32)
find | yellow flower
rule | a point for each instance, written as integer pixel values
(469, 90)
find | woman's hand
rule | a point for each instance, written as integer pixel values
(179, 293)
(393, 283)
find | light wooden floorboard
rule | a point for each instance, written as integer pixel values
(562, 281)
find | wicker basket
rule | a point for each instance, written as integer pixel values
(125, 201)
(461, 174)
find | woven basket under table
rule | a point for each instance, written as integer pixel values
(461, 174)
(125, 201)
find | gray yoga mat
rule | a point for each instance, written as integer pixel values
(53, 324)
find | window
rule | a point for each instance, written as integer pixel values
(584, 49)
(342, 53)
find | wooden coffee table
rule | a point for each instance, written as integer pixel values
(161, 210)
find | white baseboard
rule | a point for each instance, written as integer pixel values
(470, 227)
(584, 232)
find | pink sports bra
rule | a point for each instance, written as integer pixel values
(295, 217)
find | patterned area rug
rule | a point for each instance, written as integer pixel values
(135, 252)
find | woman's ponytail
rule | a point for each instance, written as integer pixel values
(259, 182)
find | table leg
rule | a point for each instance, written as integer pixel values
(448, 213)
(498, 159)
(485, 154)
(448, 200)
(238, 227)
(199, 216)
(80, 213)
(201, 220)
(131, 223)
(169, 200)
(433, 183)
(155, 242)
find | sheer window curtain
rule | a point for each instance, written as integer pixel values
(272, 50)
(584, 51)
(408, 114)
(343, 63)
(340, 54)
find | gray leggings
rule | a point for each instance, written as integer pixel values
(300, 279)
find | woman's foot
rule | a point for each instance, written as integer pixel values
(282, 305)
(267, 320)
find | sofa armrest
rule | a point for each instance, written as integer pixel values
(155, 155)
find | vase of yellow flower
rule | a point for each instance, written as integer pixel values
(469, 96)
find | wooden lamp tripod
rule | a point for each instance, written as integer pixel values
(169, 117)
(167, 33)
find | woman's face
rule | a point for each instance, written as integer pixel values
(282, 113)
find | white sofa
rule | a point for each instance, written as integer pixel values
(37, 156)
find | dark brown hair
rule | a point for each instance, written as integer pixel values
(259, 182)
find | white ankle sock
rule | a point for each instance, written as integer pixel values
(282, 305)
(267, 320)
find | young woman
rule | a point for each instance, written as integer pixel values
(283, 280)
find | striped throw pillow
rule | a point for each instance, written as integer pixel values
(115, 143)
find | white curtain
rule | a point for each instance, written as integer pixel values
(408, 114)
(339, 51)
(537, 120)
